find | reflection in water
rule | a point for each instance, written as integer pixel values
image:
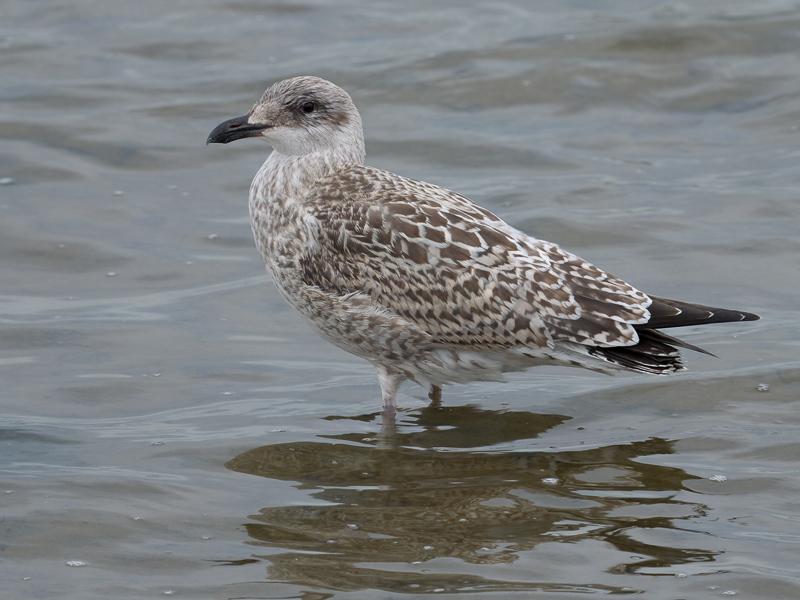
(398, 512)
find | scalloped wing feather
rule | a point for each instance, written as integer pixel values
(458, 271)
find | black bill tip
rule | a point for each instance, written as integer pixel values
(235, 129)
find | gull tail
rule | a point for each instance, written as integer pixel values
(657, 352)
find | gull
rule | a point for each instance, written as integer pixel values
(421, 281)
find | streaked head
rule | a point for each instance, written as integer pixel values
(297, 116)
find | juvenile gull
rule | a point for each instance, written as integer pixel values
(421, 281)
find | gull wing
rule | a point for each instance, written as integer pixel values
(458, 271)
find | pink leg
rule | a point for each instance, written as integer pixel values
(389, 383)
(435, 395)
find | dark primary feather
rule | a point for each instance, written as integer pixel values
(658, 352)
(674, 313)
(678, 343)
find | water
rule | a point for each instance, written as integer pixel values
(171, 425)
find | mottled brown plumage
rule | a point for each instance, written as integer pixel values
(421, 281)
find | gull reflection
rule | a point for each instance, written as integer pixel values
(400, 511)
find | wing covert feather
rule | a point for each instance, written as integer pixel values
(457, 270)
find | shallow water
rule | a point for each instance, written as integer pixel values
(168, 422)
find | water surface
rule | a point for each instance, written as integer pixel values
(168, 422)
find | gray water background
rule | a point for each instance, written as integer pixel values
(166, 419)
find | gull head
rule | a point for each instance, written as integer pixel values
(297, 116)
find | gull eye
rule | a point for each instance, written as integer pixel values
(308, 107)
